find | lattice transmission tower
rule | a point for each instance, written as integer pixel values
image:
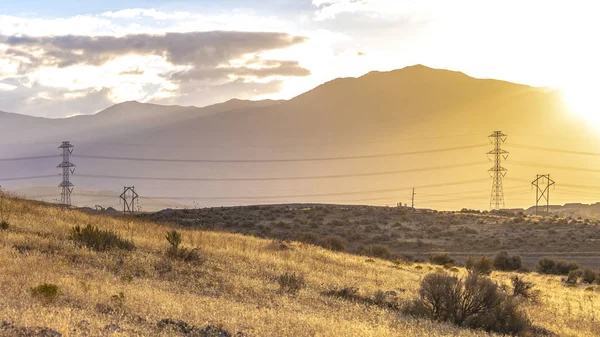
(497, 172)
(129, 196)
(542, 190)
(68, 168)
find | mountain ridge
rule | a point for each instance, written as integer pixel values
(235, 103)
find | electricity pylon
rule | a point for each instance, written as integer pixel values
(545, 190)
(129, 199)
(497, 172)
(68, 168)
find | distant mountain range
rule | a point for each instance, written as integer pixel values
(412, 110)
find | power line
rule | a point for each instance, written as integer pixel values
(29, 177)
(567, 168)
(365, 174)
(27, 158)
(554, 150)
(393, 141)
(384, 155)
(465, 182)
(318, 194)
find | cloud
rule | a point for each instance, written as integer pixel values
(195, 48)
(7, 87)
(145, 67)
(132, 13)
(330, 9)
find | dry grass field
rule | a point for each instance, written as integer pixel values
(232, 284)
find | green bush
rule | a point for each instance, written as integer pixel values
(4, 225)
(483, 266)
(589, 275)
(573, 276)
(99, 239)
(441, 259)
(47, 292)
(291, 283)
(475, 302)
(505, 262)
(555, 267)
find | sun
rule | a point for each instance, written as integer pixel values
(584, 103)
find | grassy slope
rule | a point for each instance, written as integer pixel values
(234, 289)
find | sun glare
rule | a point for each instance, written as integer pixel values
(584, 103)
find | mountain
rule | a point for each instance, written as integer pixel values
(411, 110)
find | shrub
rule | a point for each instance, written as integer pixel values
(47, 292)
(174, 239)
(348, 293)
(475, 302)
(505, 262)
(291, 283)
(377, 250)
(589, 275)
(382, 299)
(4, 225)
(441, 259)
(555, 267)
(523, 289)
(334, 242)
(573, 276)
(118, 300)
(181, 253)
(483, 266)
(99, 239)
(310, 238)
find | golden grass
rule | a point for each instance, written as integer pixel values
(236, 288)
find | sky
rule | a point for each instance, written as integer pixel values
(65, 58)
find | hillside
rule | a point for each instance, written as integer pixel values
(406, 232)
(413, 127)
(231, 285)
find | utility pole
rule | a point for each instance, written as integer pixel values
(543, 190)
(413, 199)
(68, 168)
(497, 172)
(129, 197)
